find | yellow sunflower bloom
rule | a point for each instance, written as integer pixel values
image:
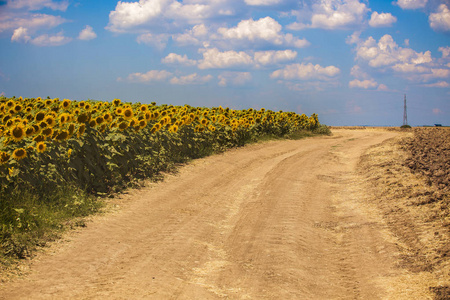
(18, 133)
(19, 154)
(41, 147)
(4, 157)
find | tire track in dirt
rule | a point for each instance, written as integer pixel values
(280, 220)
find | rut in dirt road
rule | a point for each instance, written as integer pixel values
(279, 220)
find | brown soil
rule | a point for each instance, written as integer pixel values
(279, 220)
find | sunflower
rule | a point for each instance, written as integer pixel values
(4, 157)
(71, 129)
(173, 128)
(143, 108)
(18, 133)
(48, 102)
(123, 125)
(108, 118)
(81, 130)
(156, 127)
(62, 135)
(92, 123)
(39, 138)
(148, 116)
(29, 131)
(18, 108)
(19, 154)
(99, 120)
(128, 113)
(212, 128)
(47, 131)
(66, 103)
(41, 147)
(142, 124)
(50, 120)
(119, 111)
(10, 104)
(63, 118)
(83, 118)
(116, 102)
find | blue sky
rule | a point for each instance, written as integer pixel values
(350, 61)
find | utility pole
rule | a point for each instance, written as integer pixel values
(405, 115)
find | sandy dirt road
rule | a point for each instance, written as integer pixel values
(277, 220)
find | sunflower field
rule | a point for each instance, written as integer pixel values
(98, 148)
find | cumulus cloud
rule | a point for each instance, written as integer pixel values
(38, 4)
(332, 14)
(357, 72)
(411, 4)
(191, 79)
(382, 20)
(262, 2)
(173, 58)
(152, 75)
(440, 84)
(445, 51)
(214, 59)
(32, 22)
(51, 40)
(440, 20)
(195, 36)
(234, 78)
(305, 72)
(274, 57)
(158, 41)
(364, 84)
(20, 35)
(387, 53)
(130, 16)
(87, 34)
(263, 30)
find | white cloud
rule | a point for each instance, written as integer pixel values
(38, 4)
(191, 79)
(274, 57)
(87, 34)
(364, 84)
(262, 2)
(152, 75)
(173, 58)
(158, 41)
(167, 14)
(332, 14)
(32, 22)
(306, 72)
(20, 35)
(264, 30)
(234, 78)
(214, 59)
(194, 36)
(440, 84)
(131, 14)
(382, 20)
(411, 4)
(387, 53)
(445, 51)
(51, 40)
(357, 72)
(441, 19)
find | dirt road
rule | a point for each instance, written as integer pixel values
(278, 220)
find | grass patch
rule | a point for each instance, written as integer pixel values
(29, 221)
